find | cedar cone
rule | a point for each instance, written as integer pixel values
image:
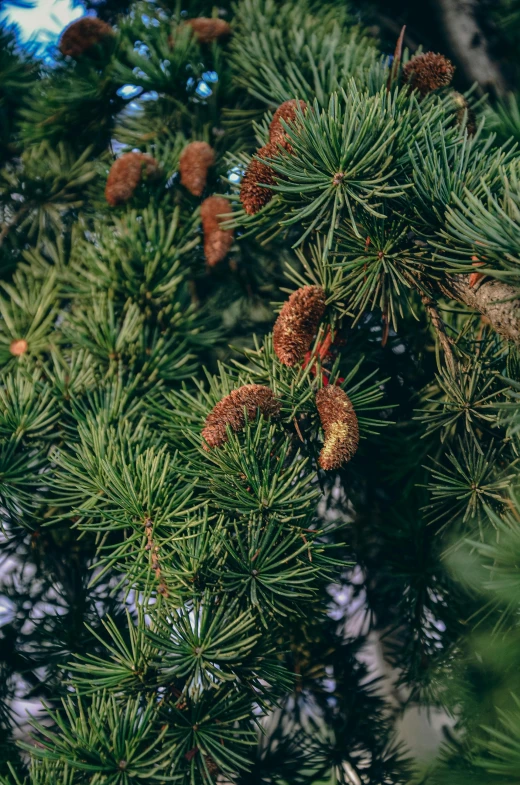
(18, 347)
(340, 424)
(297, 323)
(462, 107)
(217, 241)
(252, 195)
(125, 175)
(207, 30)
(82, 35)
(195, 160)
(428, 72)
(230, 411)
(287, 113)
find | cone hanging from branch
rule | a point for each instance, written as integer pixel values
(297, 323)
(288, 113)
(194, 163)
(340, 424)
(83, 34)
(125, 175)
(232, 409)
(217, 241)
(428, 72)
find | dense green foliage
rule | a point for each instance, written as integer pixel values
(191, 615)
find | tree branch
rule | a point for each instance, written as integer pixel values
(498, 302)
(469, 45)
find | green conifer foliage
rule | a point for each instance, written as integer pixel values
(189, 595)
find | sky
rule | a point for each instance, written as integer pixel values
(44, 22)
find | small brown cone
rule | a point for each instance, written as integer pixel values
(82, 35)
(428, 72)
(340, 424)
(252, 193)
(18, 347)
(217, 241)
(195, 160)
(288, 113)
(297, 323)
(126, 174)
(230, 411)
(207, 29)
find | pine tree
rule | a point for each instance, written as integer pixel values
(259, 329)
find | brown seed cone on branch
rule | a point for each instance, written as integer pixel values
(125, 175)
(462, 109)
(297, 323)
(428, 72)
(207, 29)
(82, 35)
(253, 195)
(288, 113)
(230, 411)
(195, 160)
(339, 421)
(217, 241)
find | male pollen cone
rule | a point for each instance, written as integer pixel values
(230, 411)
(195, 160)
(339, 421)
(125, 175)
(82, 35)
(18, 347)
(217, 241)
(253, 195)
(206, 29)
(287, 112)
(297, 323)
(428, 72)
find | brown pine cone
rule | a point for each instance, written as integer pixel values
(297, 323)
(339, 421)
(82, 35)
(195, 160)
(208, 29)
(286, 112)
(428, 72)
(252, 193)
(217, 241)
(230, 411)
(125, 175)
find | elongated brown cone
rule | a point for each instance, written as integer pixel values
(82, 35)
(206, 29)
(195, 160)
(287, 112)
(297, 323)
(217, 241)
(428, 72)
(230, 411)
(340, 424)
(126, 174)
(252, 193)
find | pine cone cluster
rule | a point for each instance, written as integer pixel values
(217, 241)
(207, 29)
(231, 411)
(125, 175)
(82, 35)
(428, 72)
(297, 323)
(340, 424)
(258, 174)
(194, 163)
